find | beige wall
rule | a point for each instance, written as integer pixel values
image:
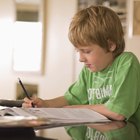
(6, 76)
(132, 42)
(59, 53)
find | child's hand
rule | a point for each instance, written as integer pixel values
(37, 102)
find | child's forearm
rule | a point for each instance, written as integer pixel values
(56, 102)
(102, 109)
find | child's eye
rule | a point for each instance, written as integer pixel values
(87, 51)
(83, 51)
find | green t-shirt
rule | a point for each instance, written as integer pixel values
(117, 86)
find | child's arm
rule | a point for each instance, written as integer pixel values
(38, 102)
(102, 109)
(61, 102)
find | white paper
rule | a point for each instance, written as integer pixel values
(62, 114)
(41, 118)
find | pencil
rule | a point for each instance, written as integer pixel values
(25, 91)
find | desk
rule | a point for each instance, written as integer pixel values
(103, 131)
(106, 131)
(20, 133)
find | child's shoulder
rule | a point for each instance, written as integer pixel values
(127, 56)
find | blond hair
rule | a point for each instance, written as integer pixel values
(97, 25)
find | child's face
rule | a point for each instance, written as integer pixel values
(94, 57)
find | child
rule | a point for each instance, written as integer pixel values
(109, 83)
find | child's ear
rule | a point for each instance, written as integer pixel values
(111, 45)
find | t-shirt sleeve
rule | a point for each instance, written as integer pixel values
(77, 93)
(125, 96)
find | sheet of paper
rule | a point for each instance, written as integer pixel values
(2, 107)
(41, 118)
(64, 114)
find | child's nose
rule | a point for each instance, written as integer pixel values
(81, 58)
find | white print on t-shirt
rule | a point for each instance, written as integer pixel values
(91, 134)
(99, 79)
(99, 93)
